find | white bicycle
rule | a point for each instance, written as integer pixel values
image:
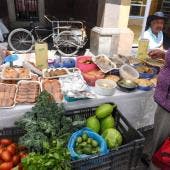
(68, 37)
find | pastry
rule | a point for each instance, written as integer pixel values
(15, 73)
(113, 77)
(54, 88)
(27, 92)
(143, 82)
(7, 94)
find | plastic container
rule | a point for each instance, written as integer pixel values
(92, 76)
(104, 63)
(85, 67)
(128, 72)
(54, 69)
(26, 82)
(14, 103)
(23, 78)
(145, 88)
(105, 87)
(92, 135)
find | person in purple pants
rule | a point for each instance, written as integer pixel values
(162, 98)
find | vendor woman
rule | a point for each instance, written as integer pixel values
(162, 98)
(154, 28)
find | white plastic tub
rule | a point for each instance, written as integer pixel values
(105, 87)
(127, 72)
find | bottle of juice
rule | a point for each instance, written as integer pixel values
(143, 49)
(41, 55)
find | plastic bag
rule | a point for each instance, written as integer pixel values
(91, 134)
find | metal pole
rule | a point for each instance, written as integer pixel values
(147, 10)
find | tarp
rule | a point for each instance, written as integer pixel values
(3, 30)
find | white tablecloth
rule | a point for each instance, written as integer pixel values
(138, 107)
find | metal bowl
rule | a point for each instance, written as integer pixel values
(127, 85)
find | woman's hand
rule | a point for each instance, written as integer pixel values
(157, 53)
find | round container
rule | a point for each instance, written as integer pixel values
(128, 72)
(105, 87)
(147, 75)
(145, 88)
(127, 85)
(85, 67)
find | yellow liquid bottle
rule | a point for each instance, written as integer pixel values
(41, 55)
(143, 49)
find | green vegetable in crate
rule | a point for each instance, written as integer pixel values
(79, 140)
(86, 145)
(112, 137)
(43, 125)
(56, 157)
(104, 110)
(107, 123)
(93, 123)
(85, 137)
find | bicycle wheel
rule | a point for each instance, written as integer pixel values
(21, 40)
(67, 43)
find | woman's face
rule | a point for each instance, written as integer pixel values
(157, 25)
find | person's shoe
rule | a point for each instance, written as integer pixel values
(145, 159)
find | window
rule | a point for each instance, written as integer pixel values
(26, 10)
(138, 15)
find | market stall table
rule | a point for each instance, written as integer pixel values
(138, 107)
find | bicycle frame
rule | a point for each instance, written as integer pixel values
(55, 29)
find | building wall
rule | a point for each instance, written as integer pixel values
(3, 9)
(78, 9)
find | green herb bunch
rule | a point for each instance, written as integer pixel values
(44, 123)
(56, 157)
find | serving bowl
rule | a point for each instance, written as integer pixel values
(144, 84)
(127, 85)
(105, 87)
(145, 71)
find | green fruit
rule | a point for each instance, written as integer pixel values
(83, 144)
(94, 143)
(93, 151)
(104, 110)
(93, 123)
(89, 140)
(112, 137)
(88, 146)
(78, 151)
(79, 140)
(84, 136)
(77, 144)
(107, 123)
(98, 149)
(87, 151)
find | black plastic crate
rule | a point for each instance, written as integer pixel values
(125, 157)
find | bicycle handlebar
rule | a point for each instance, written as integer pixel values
(67, 22)
(45, 16)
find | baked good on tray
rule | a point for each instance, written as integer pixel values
(7, 94)
(27, 92)
(54, 88)
(16, 73)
